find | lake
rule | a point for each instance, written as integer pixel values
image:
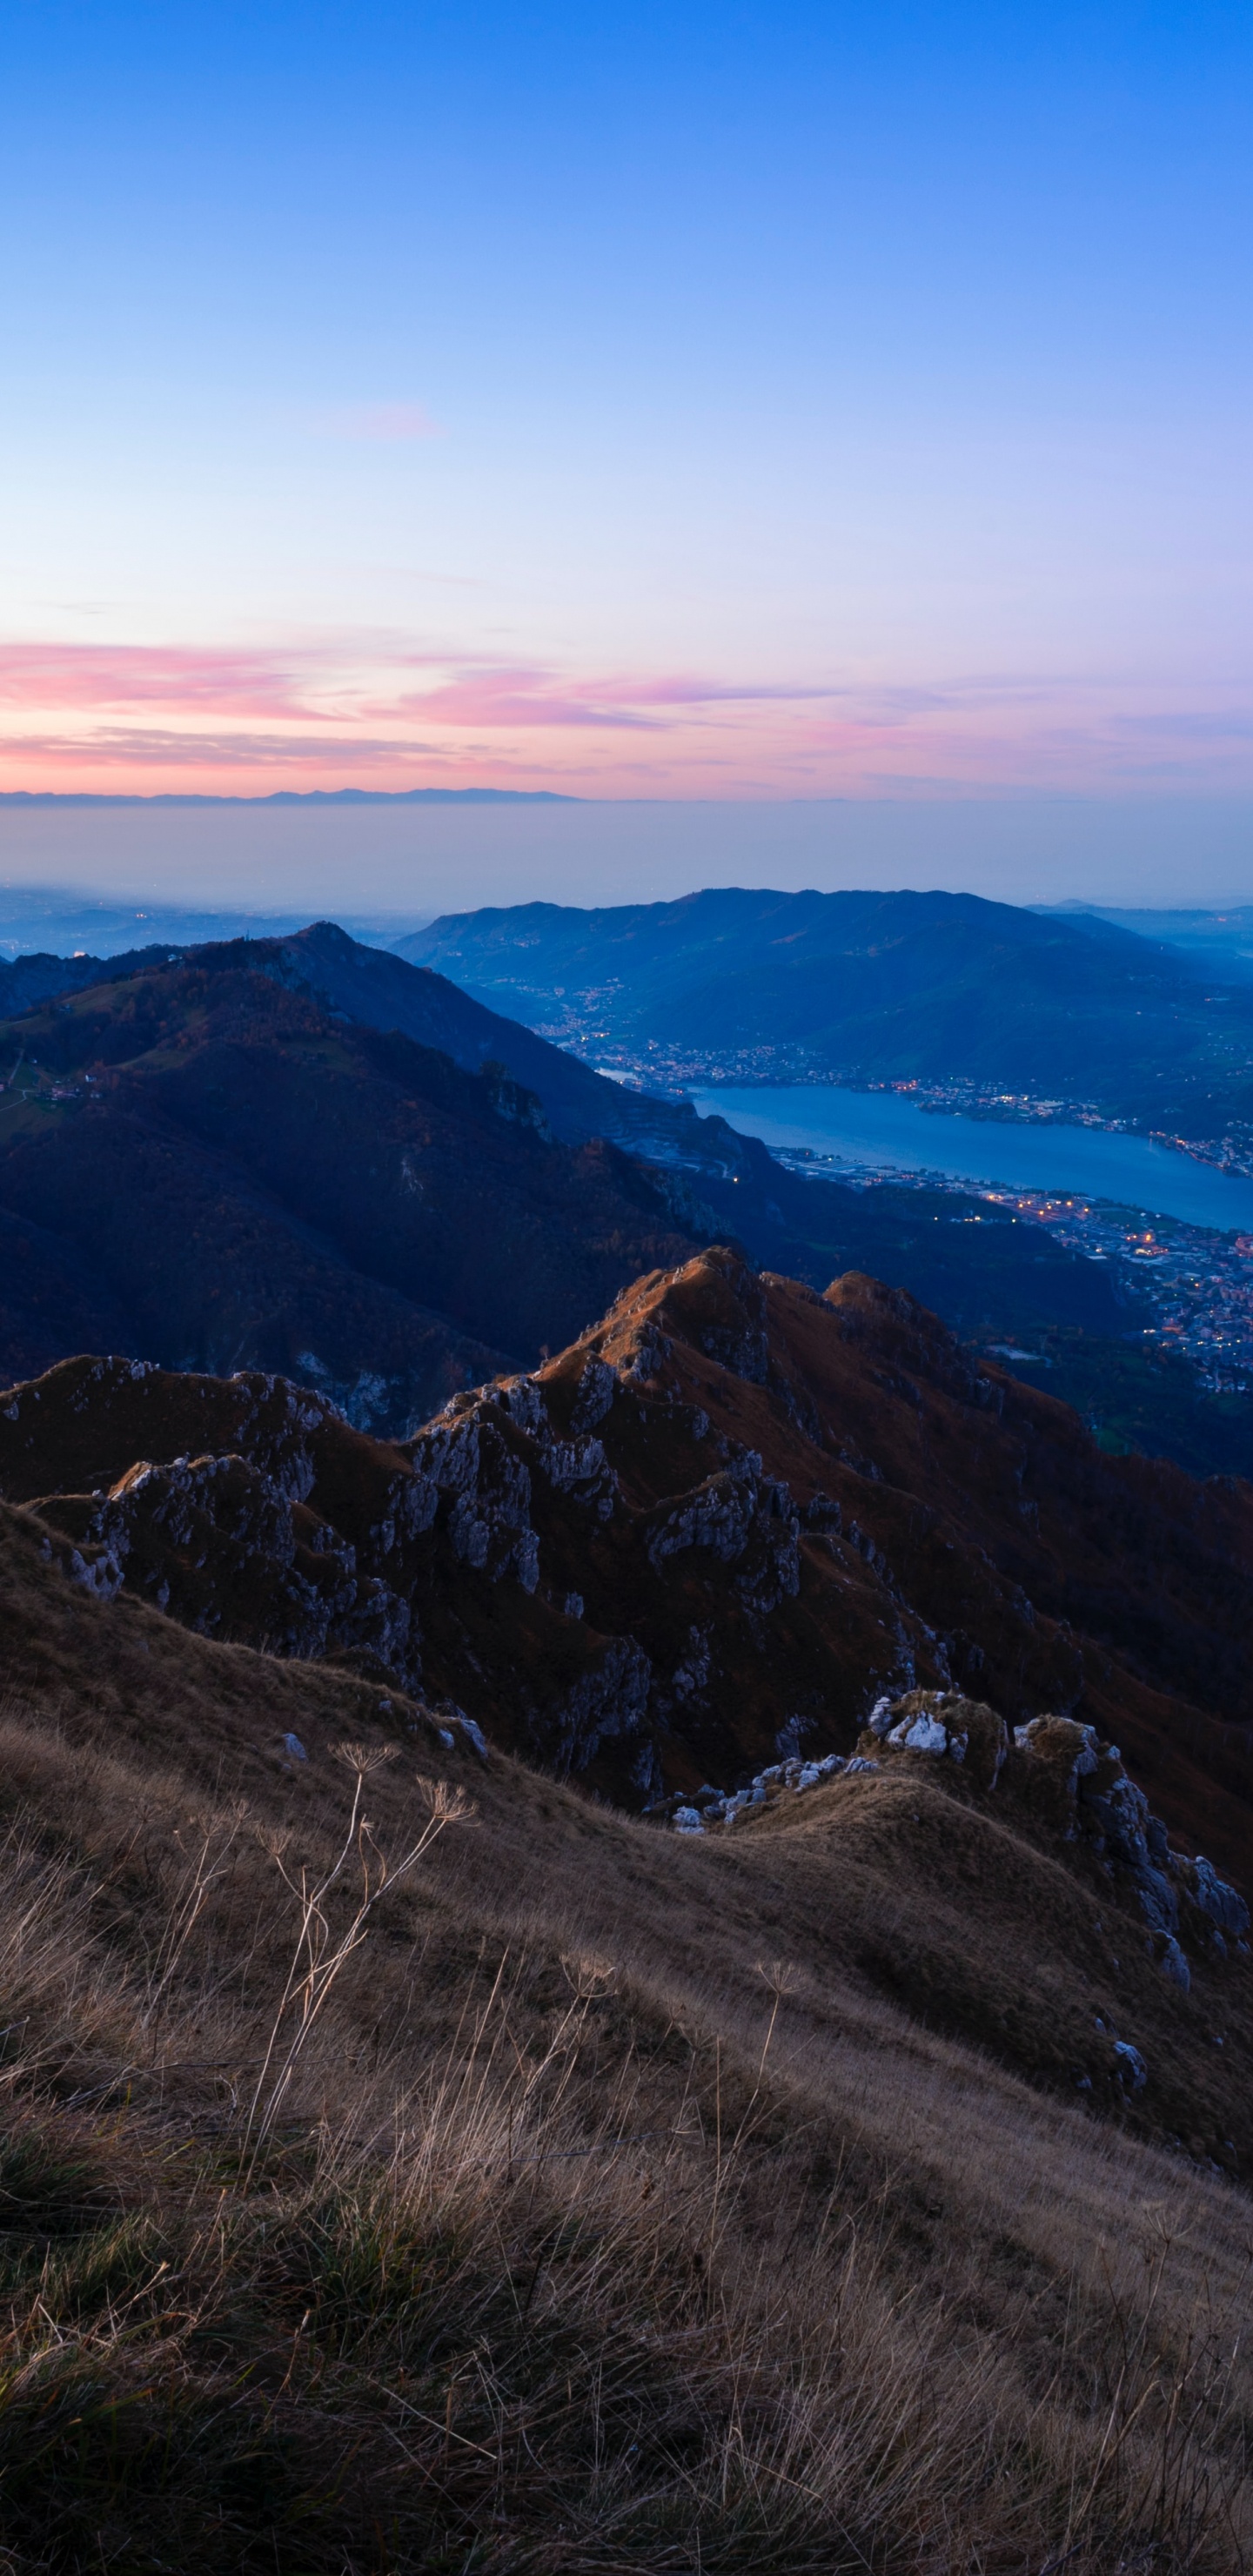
(885, 1129)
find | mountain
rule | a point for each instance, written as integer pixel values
(374, 987)
(1218, 944)
(848, 2189)
(31, 979)
(719, 1526)
(413, 2159)
(383, 991)
(204, 1167)
(126, 1054)
(28, 796)
(867, 987)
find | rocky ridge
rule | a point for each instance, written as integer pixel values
(707, 1538)
(590, 1567)
(1058, 1777)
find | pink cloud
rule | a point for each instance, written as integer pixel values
(504, 699)
(297, 684)
(396, 711)
(150, 747)
(526, 696)
(122, 675)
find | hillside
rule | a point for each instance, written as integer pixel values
(382, 991)
(718, 1526)
(1220, 943)
(202, 1167)
(266, 1176)
(854, 2186)
(869, 987)
(28, 980)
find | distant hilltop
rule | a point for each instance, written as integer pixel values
(313, 796)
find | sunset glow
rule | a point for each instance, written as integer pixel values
(832, 404)
(145, 718)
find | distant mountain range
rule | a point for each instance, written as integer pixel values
(871, 987)
(310, 796)
(312, 1156)
(1220, 943)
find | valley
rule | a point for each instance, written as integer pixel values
(625, 1856)
(973, 1002)
(626, 1293)
(309, 1155)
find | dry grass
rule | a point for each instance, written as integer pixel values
(555, 2301)
(609, 2218)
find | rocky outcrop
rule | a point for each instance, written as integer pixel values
(656, 1563)
(1076, 1785)
(1024, 1862)
(709, 1808)
(942, 1724)
(221, 1547)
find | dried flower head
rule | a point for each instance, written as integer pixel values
(778, 1974)
(364, 1758)
(588, 1973)
(444, 1804)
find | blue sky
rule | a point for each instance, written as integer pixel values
(746, 403)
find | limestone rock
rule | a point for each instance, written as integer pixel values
(947, 1725)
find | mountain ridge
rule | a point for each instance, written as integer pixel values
(411, 2156)
(866, 986)
(596, 2134)
(121, 1053)
(250, 1179)
(725, 1520)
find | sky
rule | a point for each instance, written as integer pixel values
(748, 404)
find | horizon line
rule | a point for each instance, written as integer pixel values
(301, 796)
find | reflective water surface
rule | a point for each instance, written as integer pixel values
(884, 1128)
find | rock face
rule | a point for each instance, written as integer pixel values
(1054, 1785)
(1063, 1776)
(1082, 1785)
(945, 1724)
(734, 1528)
(1040, 1906)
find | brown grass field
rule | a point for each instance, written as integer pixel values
(599, 2200)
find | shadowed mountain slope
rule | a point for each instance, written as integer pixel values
(380, 990)
(719, 1526)
(383, 991)
(239, 1178)
(1006, 1276)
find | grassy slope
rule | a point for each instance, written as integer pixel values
(637, 2204)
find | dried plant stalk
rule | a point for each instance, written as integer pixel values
(320, 1954)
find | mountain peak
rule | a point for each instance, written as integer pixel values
(732, 1515)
